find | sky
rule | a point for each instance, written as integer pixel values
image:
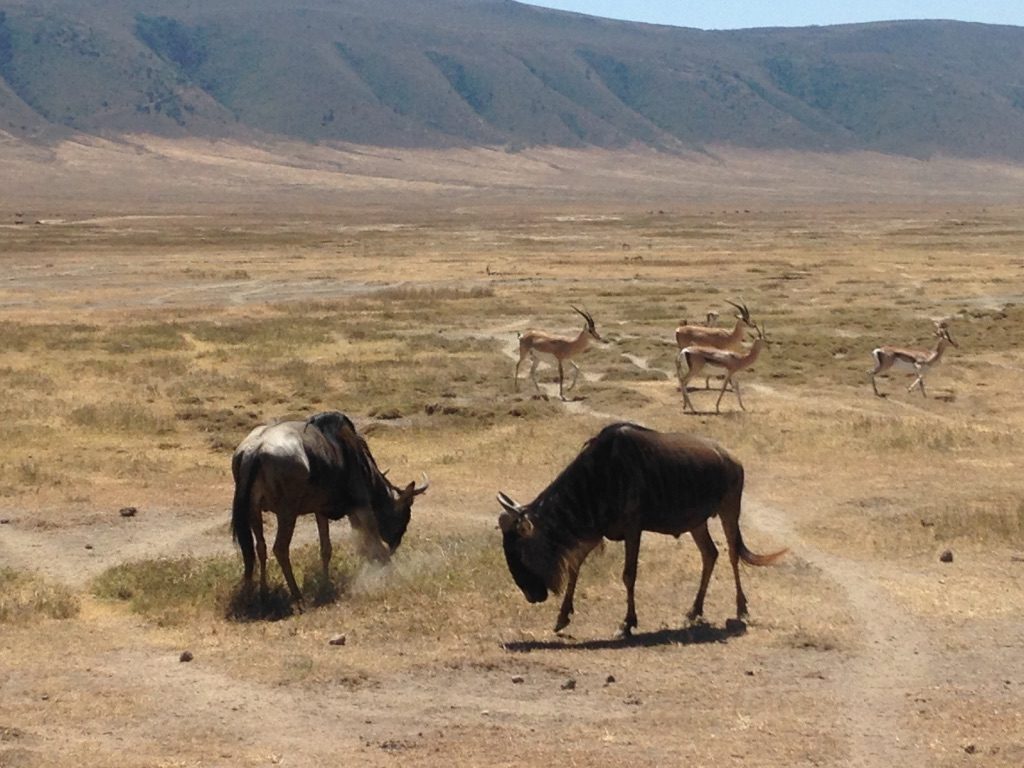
(738, 14)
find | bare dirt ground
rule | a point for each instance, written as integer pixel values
(863, 648)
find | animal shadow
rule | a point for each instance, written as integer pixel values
(247, 604)
(697, 633)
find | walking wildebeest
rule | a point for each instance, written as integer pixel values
(626, 480)
(321, 466)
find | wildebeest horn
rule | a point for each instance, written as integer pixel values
(507, 502)
(417, 490)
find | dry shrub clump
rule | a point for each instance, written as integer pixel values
(24, 597)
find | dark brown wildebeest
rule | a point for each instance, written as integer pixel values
(321, 466)
(626, 480)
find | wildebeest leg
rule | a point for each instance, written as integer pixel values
(282, 541)
(261, 549)
(323, 528)
(708, 556)
(575, 563)
(629, 579)
(730, 516)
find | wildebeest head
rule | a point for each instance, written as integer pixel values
(392, 523)
(531, 555)
(392, 505)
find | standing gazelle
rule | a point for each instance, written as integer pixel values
(688, 335)
(563, 348)
(697, 357)
(717, 338)
(917, 361)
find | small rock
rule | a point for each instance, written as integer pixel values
(947, 556)
(749, 673)
(569, 685)
(970, 749)
(337, 640)
(517, 679)
(609, 680)
(185, 656)
(128, 511)
(88, 546)
(5, 521)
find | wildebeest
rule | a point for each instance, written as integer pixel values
(626, 480)
(321, 466)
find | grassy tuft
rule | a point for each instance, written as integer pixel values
(24, 597)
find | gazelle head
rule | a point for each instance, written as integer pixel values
(942, 332)
(591, 328)
(761, 335)
(744, 313)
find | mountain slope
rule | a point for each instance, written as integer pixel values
(437, 73)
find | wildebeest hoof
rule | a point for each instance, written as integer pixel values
(735, 626)
(625, 632)
(562, 623)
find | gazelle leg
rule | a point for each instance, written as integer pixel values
(736, 389)
(725, 383)
(575, 374)
(561, 378)
(533, 369)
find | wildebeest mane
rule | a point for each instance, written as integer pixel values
(355, 454)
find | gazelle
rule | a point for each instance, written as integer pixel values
(563, 348)
(717, 338)
(697, 357)
(918, 361)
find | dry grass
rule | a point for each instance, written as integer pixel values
(133, 385)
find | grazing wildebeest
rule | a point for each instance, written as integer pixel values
(321, 466)
(626, 480)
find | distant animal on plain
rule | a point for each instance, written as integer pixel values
(918, 361)
(626, 480)
(321, 466)
(562, 348)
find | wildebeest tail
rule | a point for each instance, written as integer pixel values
(241, 528)
(752, 558)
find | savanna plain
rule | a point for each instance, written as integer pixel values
(138, 350)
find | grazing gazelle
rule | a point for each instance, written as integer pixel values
(917, 361)
(563, 348)
(697, 357)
